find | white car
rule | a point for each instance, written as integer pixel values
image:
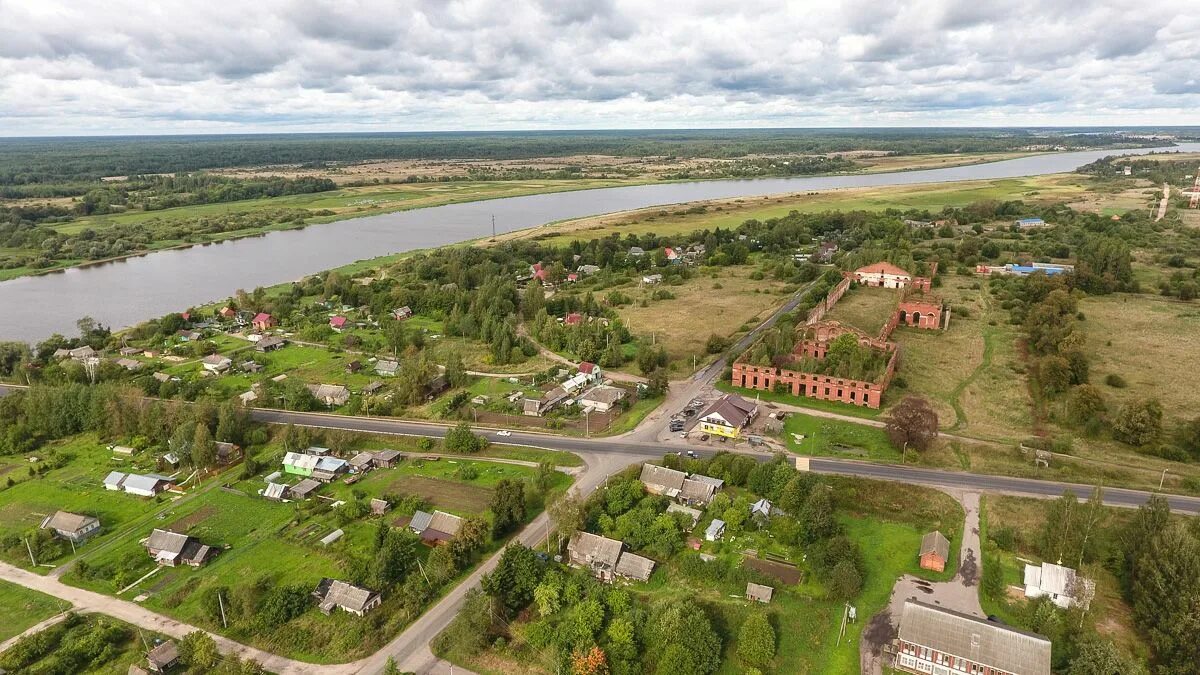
(504, 432)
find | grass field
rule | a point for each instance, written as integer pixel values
(864, 308)
(715, 300)
(836, 438)
(972, 373)
(280, 541)
(730, 213)
(76, 487)
(24, 608)
(1149, 341)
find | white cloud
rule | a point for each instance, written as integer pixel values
(301, 65)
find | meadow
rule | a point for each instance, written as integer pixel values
(24, 608)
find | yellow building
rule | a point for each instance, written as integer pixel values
(727, 416)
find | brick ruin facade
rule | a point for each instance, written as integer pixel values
(815, 344)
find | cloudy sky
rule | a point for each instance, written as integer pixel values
(351, 65)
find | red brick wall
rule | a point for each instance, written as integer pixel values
(930, 313)
(817, 313)
(811, 385)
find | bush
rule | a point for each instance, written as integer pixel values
(1115, 381)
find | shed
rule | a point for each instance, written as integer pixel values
(689, 512)
(386, 459)
(275, 491)
(379, 507)
(634, 567)
(162, 657)
(304, 489)
(716, 530)
(935, 548)
(759, 593)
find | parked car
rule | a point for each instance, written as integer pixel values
(705, 437)
(692, 454)
(504, 432)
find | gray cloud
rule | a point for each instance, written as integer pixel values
(286, 65)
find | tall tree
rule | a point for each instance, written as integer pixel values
(756, 640)
(507, 506)
(912, 423)
(204, 450)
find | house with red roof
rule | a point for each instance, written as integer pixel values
(883, 275)
(573, 319)
(537, 271)
(672, 254)
(591, 370)
(227, 313)
(337, 323)
(572, 277)
(263, 321)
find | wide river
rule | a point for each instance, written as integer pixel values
(135, 289)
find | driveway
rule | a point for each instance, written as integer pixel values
(960, 594)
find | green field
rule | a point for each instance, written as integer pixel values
(865, 308)
(280, 541)
(837, 438)
(24, 608)
(76, 487)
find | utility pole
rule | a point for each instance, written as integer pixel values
(1162, 479)
(30, 549)
(493, 227)
(221, 603)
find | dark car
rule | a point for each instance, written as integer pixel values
(704, 437)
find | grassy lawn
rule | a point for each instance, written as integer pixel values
(715, 300)
(629, 420)
(72, 637)
(76, 487)
(865, 308)
(837, 438)
(24, 608)
(972, 373)
(1144, 339)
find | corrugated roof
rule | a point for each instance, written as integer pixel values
(347, 596)
(978, 640)
(697, 491)
(274, 491)
(590, 549)
(445, 522)
(68, 522)
(690, 512)
(714, 528)
(652, 474)
(935, 542)
(1051, 578)
(715, 482)
(305, 487)
(115, 478)
(165, 540)
(420, 521)
(759, 592)
(634, 566)
(143, 483)
(732, 408)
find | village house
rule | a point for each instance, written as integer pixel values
(825, 251)
(304, 489)
(715, 530)
(170, 549)
(386, 368)
(188, 335)
(354, 366)
(672, 255)
(1028, 223)
(215, 363)
(362, 462)
(135, 484)
(573, 319)
(588, 270)
(227, 453)
(227, 312)
(936, 640)
(759, 593)
(73, 527)
(602, 398)
(130, 364)
(402, 313)
(163, 657)
(935, 549)
(332, 594)
(270, 343)
(251, 367)
(606, 559)
(332, 395)
(263, 321)
(337, 323)
(321, 468)
(386, 459)
(659, 480)
(592, 371)
(727, 416)
(652, 279)
(636, 252)
(435, 528)
(696, 492)
(1062, 585)
(882, 275)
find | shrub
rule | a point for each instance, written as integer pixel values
(1115, 381)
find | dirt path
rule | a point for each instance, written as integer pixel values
(614, 375)
(36, 628)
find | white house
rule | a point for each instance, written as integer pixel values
(215, 363)
(601, 398)
(1061, 584)
(882, 274)
(651, 279)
